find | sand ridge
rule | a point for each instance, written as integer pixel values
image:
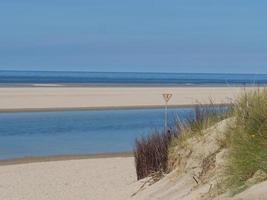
(67, 98)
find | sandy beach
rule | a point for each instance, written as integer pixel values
(111, 178)
(102, 177)
(94, 179)
(67, 98)
(133, 100)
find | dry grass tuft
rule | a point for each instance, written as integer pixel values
(151, 154)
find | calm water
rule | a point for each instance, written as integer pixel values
(88, 78)
(77, 132)
(89, 132)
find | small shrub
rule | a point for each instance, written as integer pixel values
(151, 154)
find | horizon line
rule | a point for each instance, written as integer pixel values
(125, 72)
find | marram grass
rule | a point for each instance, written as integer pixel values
(247, 141)
(153, 152)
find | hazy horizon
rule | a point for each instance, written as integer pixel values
(143, 36)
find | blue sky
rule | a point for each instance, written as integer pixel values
(228, 36)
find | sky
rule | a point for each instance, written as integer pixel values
(218, 36)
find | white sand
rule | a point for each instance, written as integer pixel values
(99, 179)
(41, 98)
(90, 179)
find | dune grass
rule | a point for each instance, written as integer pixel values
(204, 117)
(247, 141)
(152, 153)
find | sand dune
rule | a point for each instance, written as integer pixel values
(114, 178)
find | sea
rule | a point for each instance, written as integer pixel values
(129, 79)
(29, 134)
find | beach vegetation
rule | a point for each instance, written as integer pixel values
(151, 154)
(154, 152)
(247, 142)
(238, 155)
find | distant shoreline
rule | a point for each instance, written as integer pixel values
(103, 108)
(38, 159)
(35, 99)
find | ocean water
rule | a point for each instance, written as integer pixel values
(78, 132)
(90, 132)
(108, 79)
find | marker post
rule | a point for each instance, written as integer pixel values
(167, 98)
